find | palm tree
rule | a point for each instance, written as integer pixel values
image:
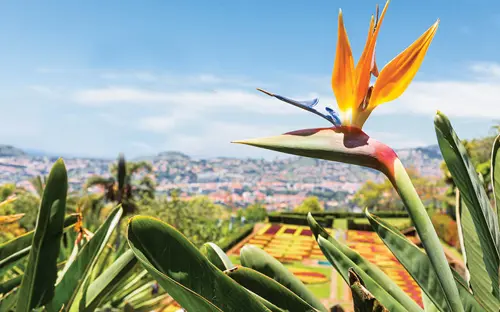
(120, 188)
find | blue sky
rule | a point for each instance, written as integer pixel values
(96, 78)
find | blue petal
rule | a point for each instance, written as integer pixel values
(335, 116)
(309, 104)
(306, 105)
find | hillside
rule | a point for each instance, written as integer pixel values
(287, 180)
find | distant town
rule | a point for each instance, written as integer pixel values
(278, 184)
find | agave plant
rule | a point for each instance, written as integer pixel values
(60, 266)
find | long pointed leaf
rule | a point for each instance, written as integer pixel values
(366, 266)
(475, 198)
(343, 264)
(179, 267)
(70, 286)
(109, 280)
(37, 287)
(217, 256)
(495, 174)
(419, 266)
(479, 280)
(257, 259)
(269, 289)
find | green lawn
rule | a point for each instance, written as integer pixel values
(320, 290)
(400, 223)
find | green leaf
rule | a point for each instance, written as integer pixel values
(10, 284)
(366, 266)
(479, 280)
(127, 286)
(217, 256)
(108, 281)
(418, 265)
(269, 289)
(475, 198)
(364, 301)
(8, 302)
(37, 286)
(428, 304)
(342, 263)
(151, 304)
(69, 289)
(179, 267)
(495, 174)
(257, 259)
(19, 247)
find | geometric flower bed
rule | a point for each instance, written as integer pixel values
(286, 242)
(295, 243)
(371, 247)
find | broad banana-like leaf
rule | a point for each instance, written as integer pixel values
(479, 281)
(269, 289)
(217, 256)
(474, 196)
(107, 282)
(69, 290)
(257, 259)
(364, 301)
(19, 247)
(418, 265)
(187, 275)
(37, 286)
(495, 174)
(366, 266)
(342, 263)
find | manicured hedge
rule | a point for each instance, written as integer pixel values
(345, 214)
(231, 240)
(298, 219)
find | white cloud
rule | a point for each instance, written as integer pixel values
(188, 100)
(454, 98)
(159, 124)
(162, 109)
(486, 69)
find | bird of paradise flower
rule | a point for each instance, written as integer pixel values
(356, 98)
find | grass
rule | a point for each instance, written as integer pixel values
(340, 224)
(319, 290)
(400, 223)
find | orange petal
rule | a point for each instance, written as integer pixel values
(398, 73)
(343, 69)
(367, 63)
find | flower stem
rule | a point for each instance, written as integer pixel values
(423, 224)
